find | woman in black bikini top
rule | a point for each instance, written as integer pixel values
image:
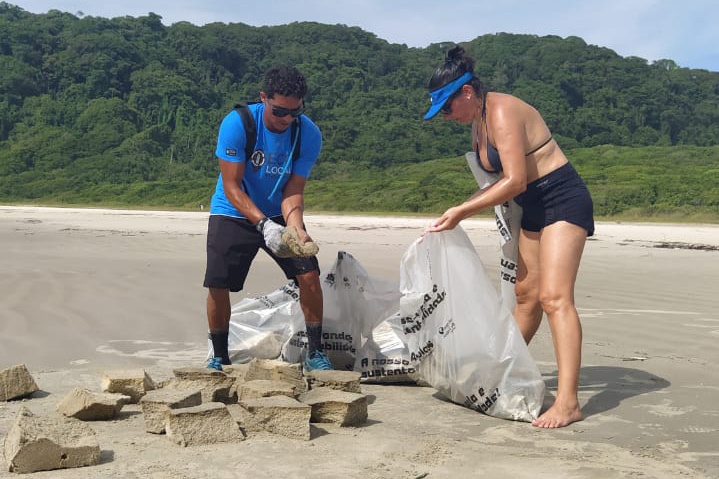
(556, 213)
(492, 154)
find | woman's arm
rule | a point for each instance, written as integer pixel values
(505, 127)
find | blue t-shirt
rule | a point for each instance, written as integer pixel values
(262, 177)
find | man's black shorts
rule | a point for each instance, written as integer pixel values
(232, 244)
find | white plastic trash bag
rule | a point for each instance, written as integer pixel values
(272, 326)
(353, 303)
(260, 327)
(384, 356)
(509, 217)
(464, 342)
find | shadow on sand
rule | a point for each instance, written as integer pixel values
(609, 386)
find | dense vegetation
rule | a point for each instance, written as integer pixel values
(125, 111)
(632, 183)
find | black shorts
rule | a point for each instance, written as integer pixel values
(559, 196)
(232, 244)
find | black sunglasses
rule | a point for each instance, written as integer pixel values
(447, 107)
(283, 112)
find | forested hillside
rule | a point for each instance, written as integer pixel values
(125, 110)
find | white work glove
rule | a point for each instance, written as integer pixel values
(272, 232)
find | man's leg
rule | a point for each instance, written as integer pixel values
(311, 304)
(218, 320)
(232, 244)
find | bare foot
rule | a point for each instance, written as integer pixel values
(558, 416)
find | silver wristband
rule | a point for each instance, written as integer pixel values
(261, 224)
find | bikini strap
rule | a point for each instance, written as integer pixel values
(540, 146)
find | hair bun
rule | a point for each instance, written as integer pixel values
(455, 53)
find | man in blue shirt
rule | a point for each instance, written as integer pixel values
(258, 201)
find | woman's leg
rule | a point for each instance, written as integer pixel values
(528, 311)
(560, 250)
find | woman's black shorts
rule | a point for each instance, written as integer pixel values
(559, 196)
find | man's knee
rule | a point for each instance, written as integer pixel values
(309, 279)
(309, 285)
(218, 296)
(218, 292)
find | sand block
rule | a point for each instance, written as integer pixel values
(260, 388)
(215, 386)
(130, 382)
(338, 407)
(36, 443)
(156, 404)
(341, 380)
(16, 382)
(277, 370)
(87, 405)
(208, 423)
(199, 374)
(237, 371)
(291, 238)
(278, 415)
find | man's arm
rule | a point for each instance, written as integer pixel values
(293, 205)
(232, 174)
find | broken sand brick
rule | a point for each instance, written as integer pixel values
(130, 382)
(37, 443)
(280, 415)
(338, 407)
(341, 380)
(209, 423)
(274, 369)
(156, 404)
(87, 405)
(265, 388)
(215, 386)
(16, 382)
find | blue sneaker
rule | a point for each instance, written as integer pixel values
(317, 361)
(215, 363)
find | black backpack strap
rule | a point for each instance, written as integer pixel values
(250, 129)
(296, 133)
(251, 132)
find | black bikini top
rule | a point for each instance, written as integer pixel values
(492, 154)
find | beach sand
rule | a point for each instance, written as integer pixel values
(87, 290)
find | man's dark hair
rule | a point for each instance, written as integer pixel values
(284, 80)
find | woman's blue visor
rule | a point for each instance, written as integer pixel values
(440, 95)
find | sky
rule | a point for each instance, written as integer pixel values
(683, 31)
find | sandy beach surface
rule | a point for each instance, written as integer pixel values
(86, 290)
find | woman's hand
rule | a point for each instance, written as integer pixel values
(447, 221)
